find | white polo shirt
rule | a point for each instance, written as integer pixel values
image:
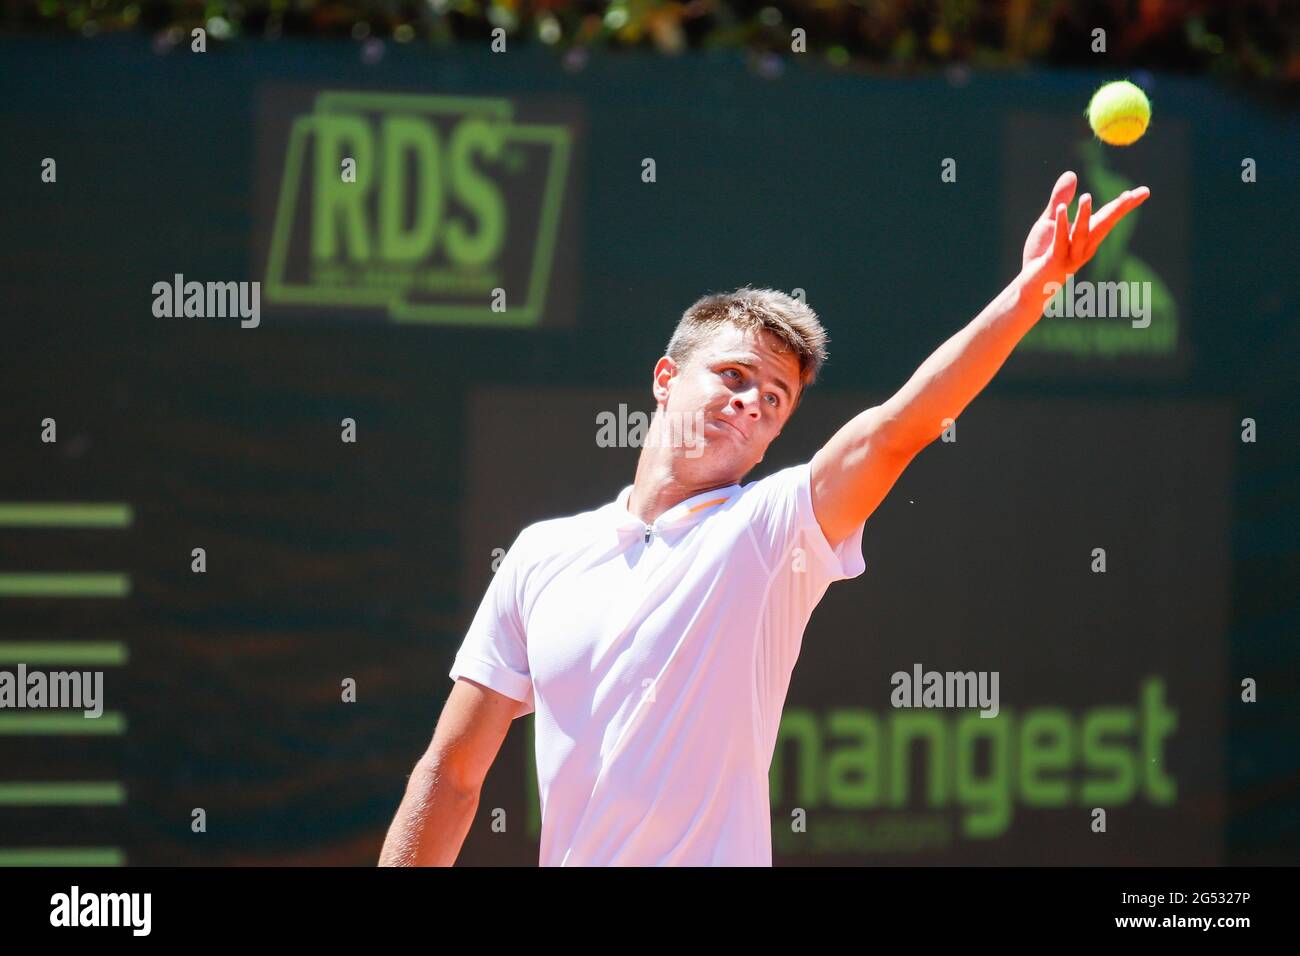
(658, 668)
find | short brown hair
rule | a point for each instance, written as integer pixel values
(790, 321)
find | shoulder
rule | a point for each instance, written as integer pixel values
(782, 477)
(784, 484)
(545, 539)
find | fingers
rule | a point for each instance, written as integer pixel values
(1062, 192)
(1113, 212)
(1079, 231)
(1061, 242)
(1116, 208)
(1088, 230)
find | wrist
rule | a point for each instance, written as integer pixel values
(1038, 281)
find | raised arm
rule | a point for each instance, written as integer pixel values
(854, 471)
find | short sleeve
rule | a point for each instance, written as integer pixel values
(786, 530)
(495, 650)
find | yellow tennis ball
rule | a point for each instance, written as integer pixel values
(1119, 113)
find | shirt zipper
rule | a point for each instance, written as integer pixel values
(648, 530)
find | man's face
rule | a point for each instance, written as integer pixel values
(745, 390)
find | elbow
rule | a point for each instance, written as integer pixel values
(444, 775)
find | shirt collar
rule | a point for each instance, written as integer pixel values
(681, 514)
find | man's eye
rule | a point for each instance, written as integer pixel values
(730, 370)
(775, 399)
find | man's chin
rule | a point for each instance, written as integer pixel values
(716, 469)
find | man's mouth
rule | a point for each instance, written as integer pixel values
(726, 424)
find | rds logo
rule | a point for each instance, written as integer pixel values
(420, 206)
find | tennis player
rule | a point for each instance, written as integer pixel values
(654, 637)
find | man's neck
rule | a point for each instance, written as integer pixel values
(656, 489)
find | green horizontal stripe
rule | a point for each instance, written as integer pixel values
(105, 653)
(64, 856)
(15, 514)
(62, 794)
(73, 725)
(73, 584)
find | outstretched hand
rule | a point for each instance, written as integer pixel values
(1057, 247)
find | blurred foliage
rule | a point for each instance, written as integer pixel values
(1257, 39)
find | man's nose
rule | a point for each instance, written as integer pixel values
(745, 401)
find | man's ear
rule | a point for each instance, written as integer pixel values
(665, 364)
